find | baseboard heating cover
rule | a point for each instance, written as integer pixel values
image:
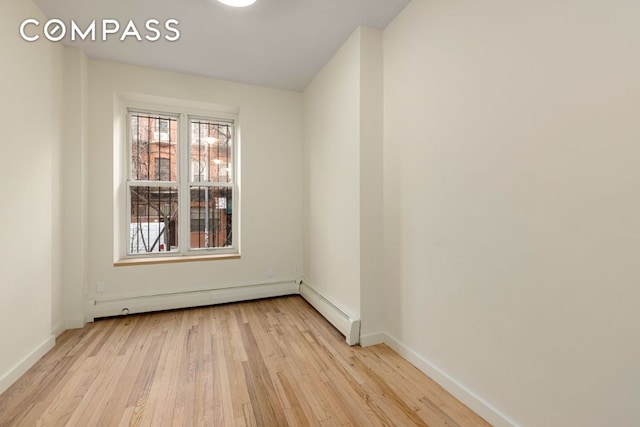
(347, 325)
(143, 304)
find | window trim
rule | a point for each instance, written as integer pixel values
(183, 183)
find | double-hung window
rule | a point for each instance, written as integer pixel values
(181, 186)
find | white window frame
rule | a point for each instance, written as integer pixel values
(184, 181)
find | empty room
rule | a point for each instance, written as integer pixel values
(320, 212)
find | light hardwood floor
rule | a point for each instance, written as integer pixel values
(272, 362)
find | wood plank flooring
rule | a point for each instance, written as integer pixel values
(273, 362)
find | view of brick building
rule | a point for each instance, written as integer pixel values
(155, 174)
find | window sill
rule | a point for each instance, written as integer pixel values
(172, 259)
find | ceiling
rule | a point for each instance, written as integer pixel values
(275, 43)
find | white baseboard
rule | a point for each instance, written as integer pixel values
(460, 392)
(372, 339)
(143, 304)
(348, 326)
(26, 363)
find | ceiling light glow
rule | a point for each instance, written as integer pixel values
(238, 3)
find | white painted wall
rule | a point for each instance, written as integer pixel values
(343, 180)
(512, 210)
(74, 179)
(332, 179)
(371, 187)
(30, 278)
(57, 167)
(271, 184)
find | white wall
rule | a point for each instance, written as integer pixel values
(371, 187)
(332, 180)
(512, 210)
(343, 179)
(30, 277)
(271, 189)
(57, 205)
(74, 181)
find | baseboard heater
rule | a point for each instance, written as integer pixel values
(344, 323)
(347, 325)
(143, 304)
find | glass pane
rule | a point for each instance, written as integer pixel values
(154, 152)
(153, 220)
(211, 217)
(211, 151)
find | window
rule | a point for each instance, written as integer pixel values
(211, 150)
(180, 185)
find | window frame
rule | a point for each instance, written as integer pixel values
(183, 183)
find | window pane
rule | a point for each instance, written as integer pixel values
(211, 151)
(153, 221)
(211, 217)
(154, 152)
(163, 169)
